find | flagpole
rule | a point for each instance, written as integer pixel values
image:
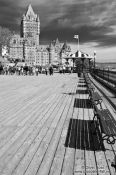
(77, 37)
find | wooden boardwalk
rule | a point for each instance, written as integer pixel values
(45, 128)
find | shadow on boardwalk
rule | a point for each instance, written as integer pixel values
(82, 103)
(81, 91)
(80, 135)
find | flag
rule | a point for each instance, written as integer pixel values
(76, 36)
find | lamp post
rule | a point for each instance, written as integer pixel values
(94, 58)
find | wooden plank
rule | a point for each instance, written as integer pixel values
(23, 148)
(28, 145)
(39, 156)
(102, 166)
(109, 153)
(33, 117)
(49, 156)
(35, 150)
(26, 125)
(68, 164)
(110, 149)
(69, 159)
(79, 166)
(9, 115)
(110, 156)
(91, 168)
(56, 167)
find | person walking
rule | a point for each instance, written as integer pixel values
(64, 69)
(46, 70)
(51, 70)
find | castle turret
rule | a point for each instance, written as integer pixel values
(65, 51)
(30, 25)
(57, 43)
(30, 31)
(66, 47)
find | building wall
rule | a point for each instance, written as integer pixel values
(26, 46)
(42, 56)
(16, 47)
(30, 27)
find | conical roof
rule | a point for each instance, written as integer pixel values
(51, 46)
(57, 42)
(65, 46)
(30, 12)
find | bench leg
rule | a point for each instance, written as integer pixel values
(95, 123)
(99, 103)
(113, 164)
(109, 139)
(95, 117)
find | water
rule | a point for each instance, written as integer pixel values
(111, 66)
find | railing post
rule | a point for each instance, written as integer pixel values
(108, 74)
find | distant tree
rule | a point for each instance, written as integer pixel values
(5, 36)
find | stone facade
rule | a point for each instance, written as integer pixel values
(55, 52)
(65, 52)
(16, 47)
(26, 45)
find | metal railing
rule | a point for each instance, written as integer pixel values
(106, 77)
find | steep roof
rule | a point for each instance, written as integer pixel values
(51, 45)
(57, 42)
(66, 47)
(30, 12)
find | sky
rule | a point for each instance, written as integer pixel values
(93, 20)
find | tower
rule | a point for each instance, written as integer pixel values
(30, 31)
(30, 25)
(65, 51)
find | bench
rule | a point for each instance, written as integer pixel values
(90, 89)
(96, 98)
(107, 124)
(87, 81)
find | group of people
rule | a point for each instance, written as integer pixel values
(49, 70)
(32, 70)
(25, 70)
(63, 69)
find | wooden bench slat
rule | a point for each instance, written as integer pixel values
(96, 97)
(107, 123)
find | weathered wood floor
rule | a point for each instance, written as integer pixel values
(45, 128)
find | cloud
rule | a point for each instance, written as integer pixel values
(94, 21)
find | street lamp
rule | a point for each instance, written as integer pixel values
(94, 58)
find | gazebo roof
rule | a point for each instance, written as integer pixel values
(74, 58)
(79, 55)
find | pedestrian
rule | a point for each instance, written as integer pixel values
(36, 71)
(60, 69)
(64, 69)
(51, 70)
(46, 71)
(1, 68)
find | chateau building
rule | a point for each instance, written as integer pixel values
(26, 46)
(16, 47)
